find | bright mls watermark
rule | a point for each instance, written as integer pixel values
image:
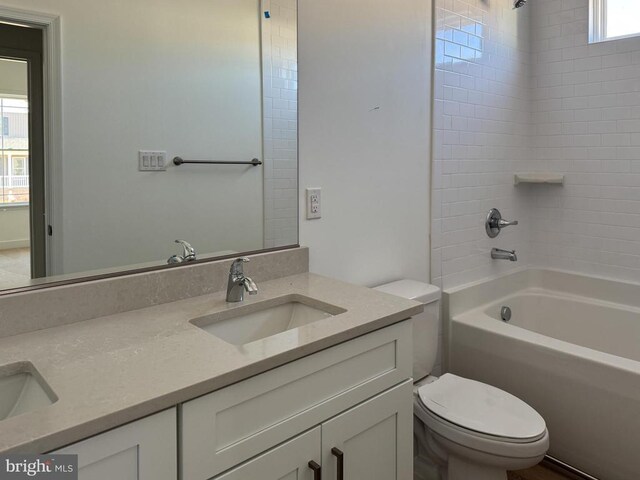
(50, 467)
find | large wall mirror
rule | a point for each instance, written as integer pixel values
(99, 101)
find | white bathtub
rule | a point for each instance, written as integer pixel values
(571, 350)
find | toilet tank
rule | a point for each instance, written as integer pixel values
(426, 326)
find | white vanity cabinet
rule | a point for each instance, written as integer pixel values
(142, 450)
(290, 461)
(346, 411)
(221, 430)
(372, 441)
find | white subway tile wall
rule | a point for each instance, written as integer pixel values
(523, 91)
(482, 135)
(280, 111)
(586, 112)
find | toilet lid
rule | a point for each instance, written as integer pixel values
(482, 408)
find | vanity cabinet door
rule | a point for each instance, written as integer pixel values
(289, 461)
(227, 427)
(373, 441)
(142, 450)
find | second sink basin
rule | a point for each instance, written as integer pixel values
(22, 390)
(265, 319)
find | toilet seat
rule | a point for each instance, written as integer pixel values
(510, 449)
(481, 409)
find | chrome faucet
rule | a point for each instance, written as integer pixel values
(239, 283)
(499, 254)
(188, 253)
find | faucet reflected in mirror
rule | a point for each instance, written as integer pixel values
(188, 254)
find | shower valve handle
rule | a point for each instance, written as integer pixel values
(506, 223)
(495, 223)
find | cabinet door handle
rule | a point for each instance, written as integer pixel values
(340, 457)
(317, 470)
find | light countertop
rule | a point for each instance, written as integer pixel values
(112, 370)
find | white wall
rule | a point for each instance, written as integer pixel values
(156, 74)
(365, 136)
(482, 126)
(13, 80)
(14, 227)
(587, 117)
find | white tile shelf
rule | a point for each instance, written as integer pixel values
(539, 177)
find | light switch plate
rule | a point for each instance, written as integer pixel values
(152, 161)
(314, 203)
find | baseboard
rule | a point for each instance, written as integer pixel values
(565, 469)
(12, 244)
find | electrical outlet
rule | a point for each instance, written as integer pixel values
(152, 161)
(314, 201)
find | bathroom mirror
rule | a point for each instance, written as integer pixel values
(97, 99)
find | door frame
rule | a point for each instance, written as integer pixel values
(50, 24)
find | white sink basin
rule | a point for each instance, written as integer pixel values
(261, 320)
(22, 389)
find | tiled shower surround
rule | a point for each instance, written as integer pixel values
(586, 110)
(482, 123)
(523, 91)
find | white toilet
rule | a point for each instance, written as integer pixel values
(463, 429)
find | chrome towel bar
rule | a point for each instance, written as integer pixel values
(179, 161)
